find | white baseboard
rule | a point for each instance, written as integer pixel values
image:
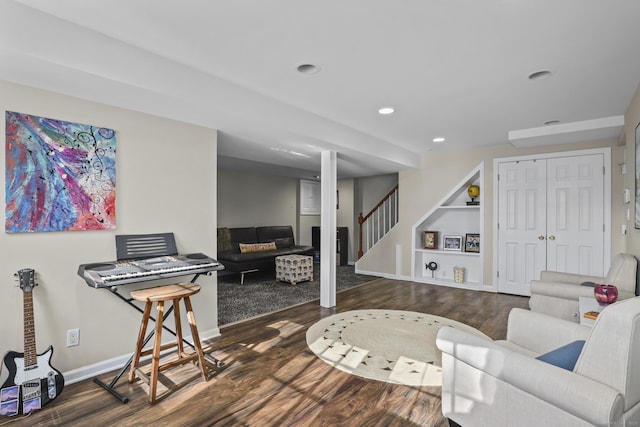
(484, 288)
(384, 275)
(116, 363)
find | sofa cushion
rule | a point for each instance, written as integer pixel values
(284, 242)
(224, 239)
(271, 233)
(564, 357)
(242, 235)
(256, 247)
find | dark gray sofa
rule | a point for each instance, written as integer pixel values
(229, 254)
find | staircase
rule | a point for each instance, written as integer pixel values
(377, 223)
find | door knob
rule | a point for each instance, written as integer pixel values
(541, 237)
(552, 237)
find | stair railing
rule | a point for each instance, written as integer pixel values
(378, 222)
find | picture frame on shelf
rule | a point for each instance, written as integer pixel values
(452, 243)
(431, 240)
(472, 243)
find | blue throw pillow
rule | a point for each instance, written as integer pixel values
(564, 357)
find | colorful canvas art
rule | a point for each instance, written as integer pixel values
(59, 175)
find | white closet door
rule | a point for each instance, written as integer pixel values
(551, 216)
(575, 218)
(522, 224)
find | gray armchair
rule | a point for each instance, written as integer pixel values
(502, 383)
(557, 293)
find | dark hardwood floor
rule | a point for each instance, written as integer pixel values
(272, 379)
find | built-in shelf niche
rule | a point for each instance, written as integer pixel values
(451, 217)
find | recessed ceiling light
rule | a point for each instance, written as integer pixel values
(439, 140)
(539, 75)
(308, 69)
(291, 152)
(386, 111)
(551, 122)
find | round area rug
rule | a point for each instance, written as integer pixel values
(386, 345)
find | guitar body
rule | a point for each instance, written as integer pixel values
(32, 382)
(26, 390)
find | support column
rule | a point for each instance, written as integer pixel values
(328, 200)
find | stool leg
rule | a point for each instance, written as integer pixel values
(178, 323)
(141, 335)
(196, 338)
(157, 343)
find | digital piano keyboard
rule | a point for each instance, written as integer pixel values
(114, 273)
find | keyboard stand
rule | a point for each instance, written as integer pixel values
(110, 387)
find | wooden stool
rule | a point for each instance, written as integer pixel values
(160, 295)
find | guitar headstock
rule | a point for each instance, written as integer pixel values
(27, 279)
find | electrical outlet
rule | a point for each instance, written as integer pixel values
(73, 337)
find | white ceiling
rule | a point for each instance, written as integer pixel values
(451, 68)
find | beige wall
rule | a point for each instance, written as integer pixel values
(422, 189)
(165, 181)
(631, 120)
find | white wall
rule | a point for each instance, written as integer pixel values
(165, 182)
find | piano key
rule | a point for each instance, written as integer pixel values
(123, 272)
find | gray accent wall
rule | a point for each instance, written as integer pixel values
(253, 199)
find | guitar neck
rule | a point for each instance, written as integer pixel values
(30, 356)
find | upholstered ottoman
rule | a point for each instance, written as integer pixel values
(294, 268)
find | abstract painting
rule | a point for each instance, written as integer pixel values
(58, 175)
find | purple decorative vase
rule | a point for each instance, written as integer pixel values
(606, 294)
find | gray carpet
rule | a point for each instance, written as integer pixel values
(261, 294)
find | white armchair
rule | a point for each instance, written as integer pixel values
(501, 383)
(557, 293)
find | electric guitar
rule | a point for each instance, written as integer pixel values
(32, 381)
